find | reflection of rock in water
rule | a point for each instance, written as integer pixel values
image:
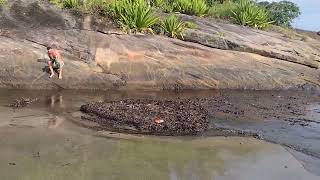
(166, 117)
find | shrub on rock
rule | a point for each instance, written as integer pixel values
(248, 14)
(134, 15)
(173, 27)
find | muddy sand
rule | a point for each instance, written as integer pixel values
(194, 116)
(38, 144)
(287, 119)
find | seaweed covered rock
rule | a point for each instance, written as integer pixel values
(22, 102)
(160, 117)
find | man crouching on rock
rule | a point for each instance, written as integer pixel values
(56, 61)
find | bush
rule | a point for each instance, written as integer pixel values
(57, 3)
(223, 11)
(72, 4)
(93, 6)
(282, 13)
(158, 3)
(191, 7)
(162, 4)
(3, 2)
(248, 14)
(96, 6)
(134, 15)
(173, 27)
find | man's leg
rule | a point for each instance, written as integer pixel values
(60, 69)
(51, 69)
(60, 73)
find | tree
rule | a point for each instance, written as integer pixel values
(283, 12)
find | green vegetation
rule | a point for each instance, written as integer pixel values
(190, 7)
(221, 34)
(71, 3)
(2, 2)
(222, 10)
(282, 13)
(164, 5)
(243, 12)
(91, 6)
(57, 3)
(173, 27)
(96, 6)
(134, 15)
(141, 16)
(248, 14)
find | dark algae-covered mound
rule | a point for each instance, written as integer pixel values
(160, 117)
(22, 102)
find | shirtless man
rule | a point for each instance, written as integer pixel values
(56, 61)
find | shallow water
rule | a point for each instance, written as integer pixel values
(42, 142)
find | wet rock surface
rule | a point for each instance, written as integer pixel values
(167, 117)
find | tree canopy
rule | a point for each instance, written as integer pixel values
(282, 13)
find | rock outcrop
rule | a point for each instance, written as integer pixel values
(269, 44)
(97, 56)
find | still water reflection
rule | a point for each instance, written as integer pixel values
(40, 142)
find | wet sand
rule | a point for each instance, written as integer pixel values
(42, 142)
(37, 153)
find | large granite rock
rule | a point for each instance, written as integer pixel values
(269, 44)
(97, 56)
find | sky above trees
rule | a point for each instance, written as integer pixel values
(310, 17)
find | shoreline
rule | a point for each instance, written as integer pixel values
(273, 116)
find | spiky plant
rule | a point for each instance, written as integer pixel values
(199, 7)
(222, 11)
(173, 27)
(134, 15)
(191, 7)
(71, 3)
(248, 14)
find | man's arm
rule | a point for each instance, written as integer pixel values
(59, 56)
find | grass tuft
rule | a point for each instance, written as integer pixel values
(134, 15)
(173, 27)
